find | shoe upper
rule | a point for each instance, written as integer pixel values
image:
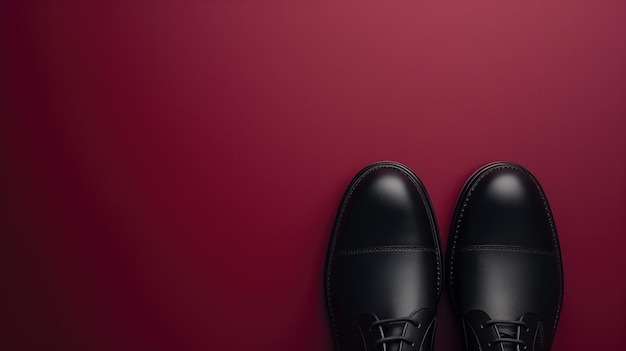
(504, 263)
(383, 273)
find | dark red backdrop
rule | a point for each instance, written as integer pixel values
(170, 170)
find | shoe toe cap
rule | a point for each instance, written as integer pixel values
(506, 206)
(387, 206)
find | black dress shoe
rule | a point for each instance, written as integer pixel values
(504, 263)
(383, 268)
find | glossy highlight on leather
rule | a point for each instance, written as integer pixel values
(383, 268)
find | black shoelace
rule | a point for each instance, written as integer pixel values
(394, 337)
(507, 337)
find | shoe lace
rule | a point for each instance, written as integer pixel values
(506, 337)
(400, 338)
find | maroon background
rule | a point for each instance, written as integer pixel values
(170, 171)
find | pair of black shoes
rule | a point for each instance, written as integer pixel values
(384, 270)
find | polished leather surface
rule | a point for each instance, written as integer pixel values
(384, 263)
(504, 261)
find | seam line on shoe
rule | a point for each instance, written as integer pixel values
(379, 249)
(520, 249)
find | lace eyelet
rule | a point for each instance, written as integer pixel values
(482, 326)
(527, 329)
(419, 325)
(489, 345)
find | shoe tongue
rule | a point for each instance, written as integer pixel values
(395, 329)
(509, 332)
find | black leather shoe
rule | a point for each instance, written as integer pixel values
(504, 263)
(383, 268)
